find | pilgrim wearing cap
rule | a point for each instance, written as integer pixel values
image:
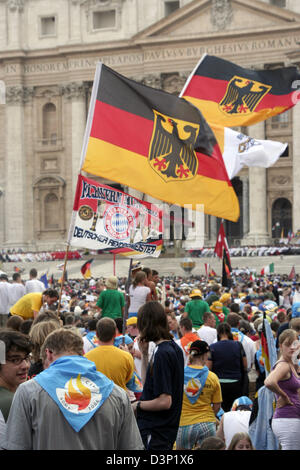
(201, 399)
(225, 299)
(111, 302)
(236, 420)
(217, 308)
(195, 308)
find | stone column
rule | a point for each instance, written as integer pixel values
(74, 20)
(258, 233)
(213, 229)
(195, 235)
(15, 183)
(296, 168)
(15, 23)
(76, 93)
(2, 219)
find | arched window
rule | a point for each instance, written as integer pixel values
(282, 222)
(49, 124)
(51, 211)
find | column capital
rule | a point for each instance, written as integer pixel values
(19, 94)
(15, 5)
(74, 90)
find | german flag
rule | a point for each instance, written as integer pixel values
(86, 269)
(156, 143)
(229, 95)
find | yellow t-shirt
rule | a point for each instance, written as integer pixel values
(201, 411)
(116, 364)
(27, 304)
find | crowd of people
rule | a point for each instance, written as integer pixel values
(148, 363)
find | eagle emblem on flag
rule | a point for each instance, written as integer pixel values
(172, 148)
(243, 96)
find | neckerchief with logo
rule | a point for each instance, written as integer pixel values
(260, 360)
(237, 334)
(194, 381)
(92, 338)
(135, 384)
(220, 316)
(77, 388)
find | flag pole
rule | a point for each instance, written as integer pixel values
(63, 278)
(114, 264)
(127, 284)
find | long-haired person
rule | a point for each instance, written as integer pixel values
(284, 381)
(158, 411)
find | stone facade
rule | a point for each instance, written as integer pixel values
(48, 54)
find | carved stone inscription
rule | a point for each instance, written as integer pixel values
(160, 54)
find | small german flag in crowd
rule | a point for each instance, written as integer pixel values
(230, 95)
(86, 269)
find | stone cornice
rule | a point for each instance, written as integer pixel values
(139, 43)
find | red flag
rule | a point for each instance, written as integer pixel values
(292, 274)
(206, 269)
(222, 244)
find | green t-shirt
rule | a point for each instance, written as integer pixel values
(6, 397)
(111, 302)
(196, 309)
(225, 311)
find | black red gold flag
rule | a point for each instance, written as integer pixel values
(86, 269)
(230, 95)
(157, 143)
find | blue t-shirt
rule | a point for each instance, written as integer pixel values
(227, 359)
(165, 374)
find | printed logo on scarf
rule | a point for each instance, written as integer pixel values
(79, 395)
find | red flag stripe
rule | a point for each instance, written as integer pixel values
(104, 128)
(210, 89)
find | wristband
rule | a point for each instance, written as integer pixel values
(138, 406)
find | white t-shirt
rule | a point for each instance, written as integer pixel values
(137, 361)
(233, 422)
(4, 297)
(250, 350)
(15, 292)
(34, 285)
(208, 334)
(137, 297)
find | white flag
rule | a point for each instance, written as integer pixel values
(241, 150)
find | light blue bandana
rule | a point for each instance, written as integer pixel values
(77, 388)
(194, 381)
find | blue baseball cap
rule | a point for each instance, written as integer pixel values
(244, 400)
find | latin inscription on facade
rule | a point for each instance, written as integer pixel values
(156, 55)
